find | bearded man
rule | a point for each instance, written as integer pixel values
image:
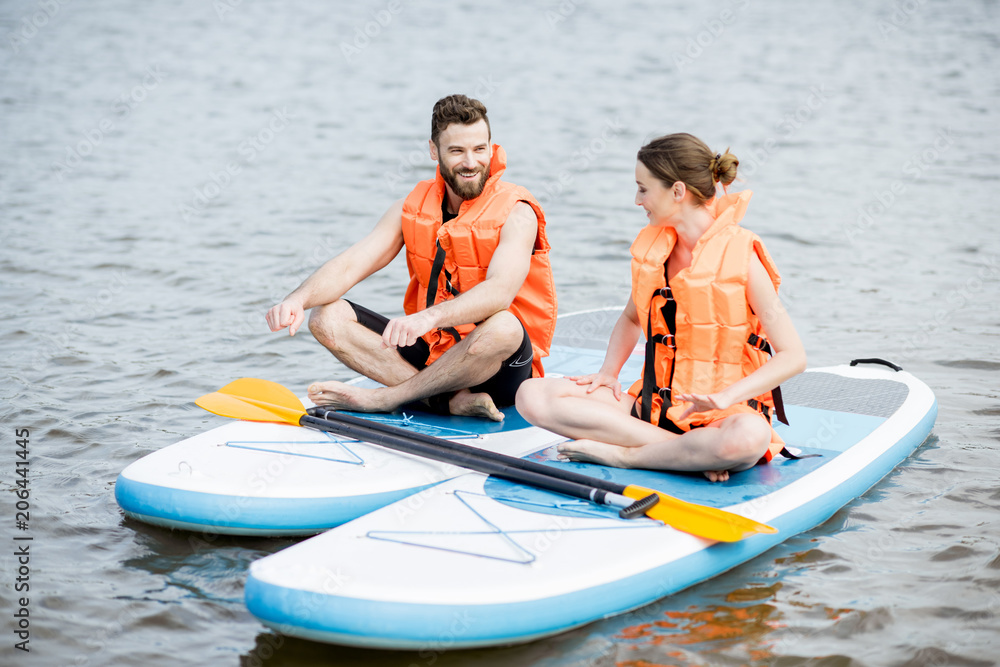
(480, 306)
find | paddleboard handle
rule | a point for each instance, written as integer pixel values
(883, 362)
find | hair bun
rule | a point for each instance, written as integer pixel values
(723, 167)
(713, 166)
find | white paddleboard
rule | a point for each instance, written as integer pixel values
(249, 478)
(478, 561)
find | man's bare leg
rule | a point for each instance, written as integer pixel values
(472, 361)
(356, 346)
(609, 435)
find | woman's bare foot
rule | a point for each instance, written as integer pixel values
(591, 451)
(466, 404)
(342, 396)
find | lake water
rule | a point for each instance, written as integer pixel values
(169, 170)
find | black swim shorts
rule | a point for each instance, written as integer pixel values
(502, 387)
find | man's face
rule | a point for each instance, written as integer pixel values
(463, 153)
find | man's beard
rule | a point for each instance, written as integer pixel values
(465, 189)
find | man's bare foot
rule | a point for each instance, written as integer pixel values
(466, 404)
(591, 451)
(717, 475)
(342, 396)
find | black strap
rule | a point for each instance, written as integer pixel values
(432, 284)
(779, 405)
(760, 343)
(788, 455)
(648, 371)
(669, 311)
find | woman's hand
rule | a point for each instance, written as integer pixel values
(703, 403)
(598, 380)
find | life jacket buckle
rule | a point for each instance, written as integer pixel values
(666, 293)
(759, 343)
(665, 339)
(760, 407)
(664, 393)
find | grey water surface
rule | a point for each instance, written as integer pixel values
(169, 170)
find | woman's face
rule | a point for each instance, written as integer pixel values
(658, 200)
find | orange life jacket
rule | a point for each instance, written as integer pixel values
(455, 257)
(717, 339)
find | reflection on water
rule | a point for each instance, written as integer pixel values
(748, 626)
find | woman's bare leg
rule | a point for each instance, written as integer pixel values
(606, 433)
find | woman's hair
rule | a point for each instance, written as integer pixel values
(456, 109)
(683, 157)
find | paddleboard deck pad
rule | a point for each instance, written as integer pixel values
(478, 561)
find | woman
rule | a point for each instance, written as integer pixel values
(704, 291)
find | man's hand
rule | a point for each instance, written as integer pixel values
(404, 331)
(289, 313)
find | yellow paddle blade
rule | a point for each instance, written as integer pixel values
(254, 400)
(708, 522)
(263, 390)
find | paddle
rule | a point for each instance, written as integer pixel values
(260, 400)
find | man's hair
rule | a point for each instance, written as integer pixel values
(456, 109)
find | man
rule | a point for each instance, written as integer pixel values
(480, 306)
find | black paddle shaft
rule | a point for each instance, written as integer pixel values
(441, 443)
(472, 461)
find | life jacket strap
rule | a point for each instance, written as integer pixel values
(788, 455)
(432, 283)
(778, 410)
(779, 405)
(432, 286)
(648, 374)
(760, 407)
(669, 311)
(760, 343)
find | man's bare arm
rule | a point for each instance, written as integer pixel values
(504, 277)
(332, 280)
